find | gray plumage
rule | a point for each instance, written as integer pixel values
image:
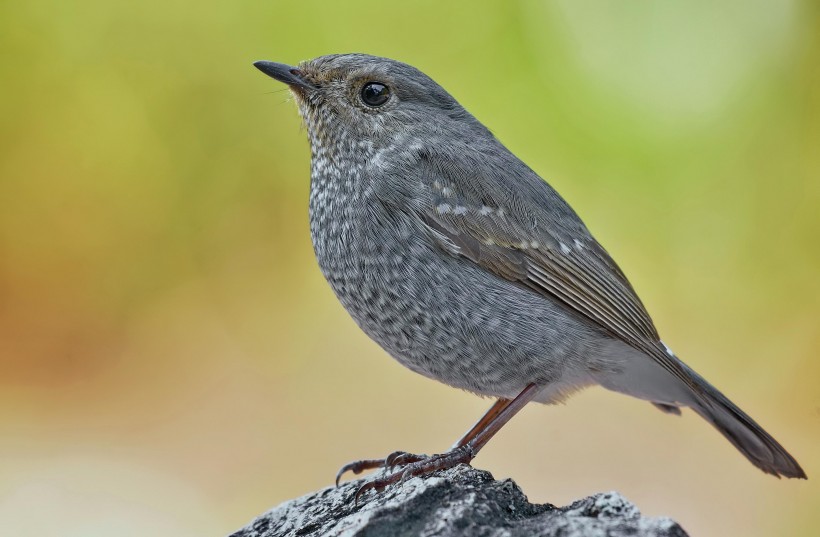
(466, 266)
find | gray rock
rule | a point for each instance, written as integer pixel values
(459, 501)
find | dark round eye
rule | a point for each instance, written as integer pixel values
(375, 94)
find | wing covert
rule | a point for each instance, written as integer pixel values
(553, 256)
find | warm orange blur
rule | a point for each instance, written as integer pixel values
(171, 361)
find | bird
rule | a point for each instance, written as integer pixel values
(468, 268)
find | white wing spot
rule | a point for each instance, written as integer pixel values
(484, 211)
(378, 160)
(460, 209)
(446, 191)
(564, 248)
(443, 208)
(668, 350)
(578, 244)
(535, 245)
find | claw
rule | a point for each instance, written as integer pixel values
(358, 467)
(413, 466)
(364, 488)
(401, 458)
(406, 474)
(389, 460)
(397, 458)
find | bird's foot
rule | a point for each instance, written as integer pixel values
(411, 466)
(397, 458)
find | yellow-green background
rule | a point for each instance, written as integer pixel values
(171, 361)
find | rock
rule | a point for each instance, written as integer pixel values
(461, 501)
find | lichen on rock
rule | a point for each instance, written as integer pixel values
(461, 501)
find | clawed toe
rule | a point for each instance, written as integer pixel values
(414, 466)
(358, 467)
(397, 458)
(402, 458)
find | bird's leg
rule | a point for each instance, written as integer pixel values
(464, 451)
(402, 458)
(490, 415)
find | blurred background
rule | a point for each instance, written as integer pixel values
(172, 362)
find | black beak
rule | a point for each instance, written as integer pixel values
(284, 73)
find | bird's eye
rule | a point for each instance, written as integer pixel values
(375, 94)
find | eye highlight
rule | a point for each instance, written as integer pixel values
(375, 94)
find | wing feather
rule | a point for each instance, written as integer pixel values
(506, 238)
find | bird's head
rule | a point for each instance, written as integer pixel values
(351, 98)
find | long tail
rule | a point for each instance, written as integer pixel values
(743, 432)
(670, 384)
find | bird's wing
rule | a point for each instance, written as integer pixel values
(533, 237)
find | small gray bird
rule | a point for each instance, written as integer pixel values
(468, 268)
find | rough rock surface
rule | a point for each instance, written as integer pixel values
(459, 502)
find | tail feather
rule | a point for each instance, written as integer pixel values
(669, 390)
(744, 433)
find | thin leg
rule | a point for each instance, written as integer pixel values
(501, 419)
(463, 453)
(401, 458)
(490, 415)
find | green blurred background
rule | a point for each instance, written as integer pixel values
(171, 361)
